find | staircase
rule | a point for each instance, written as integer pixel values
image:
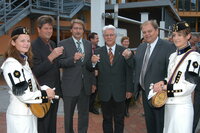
(13, 11)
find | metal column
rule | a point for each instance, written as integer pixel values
(97, 21)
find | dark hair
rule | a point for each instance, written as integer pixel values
(13, 52)
(45, 19)
(92, 35)
(20, 30)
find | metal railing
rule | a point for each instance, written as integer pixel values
(8, 10)
(13, 11)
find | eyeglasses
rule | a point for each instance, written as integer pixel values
(109, 35)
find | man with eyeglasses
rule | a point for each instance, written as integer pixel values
(114, 80)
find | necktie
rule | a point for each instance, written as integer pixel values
(111, 56)
(50, 48)
(79, 49)
(144, 65)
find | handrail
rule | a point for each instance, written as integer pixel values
(9, 8)
(15, 10)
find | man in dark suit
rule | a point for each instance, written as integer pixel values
(77, 77)
(114, 81)
(94, 39)
(46, 69)
(156, 70)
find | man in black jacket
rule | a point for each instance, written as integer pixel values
(46, 69)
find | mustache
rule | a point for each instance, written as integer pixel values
(78, 33)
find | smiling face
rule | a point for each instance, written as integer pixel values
(180, 39)
(95, 40)
(77, 31)
(149, 33)
(109, 37)
(46, 31)
(22, 43)
(126, 43)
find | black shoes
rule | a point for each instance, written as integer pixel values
(126, 114)
(94, 111)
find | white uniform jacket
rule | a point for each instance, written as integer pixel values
(23, 88)
(184, 81)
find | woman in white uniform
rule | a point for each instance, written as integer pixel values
(179, 87)
(23, 88)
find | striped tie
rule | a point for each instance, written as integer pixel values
(79, 49)
(111, 56)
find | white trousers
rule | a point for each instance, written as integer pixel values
(21, 123)
(178, 118)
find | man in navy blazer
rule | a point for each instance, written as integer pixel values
(156, 70)
(114, 81)
(77, 77)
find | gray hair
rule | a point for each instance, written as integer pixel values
(107, 27)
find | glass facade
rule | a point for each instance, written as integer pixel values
(188, 5)
(198, 24)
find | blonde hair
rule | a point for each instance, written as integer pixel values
(78, 21)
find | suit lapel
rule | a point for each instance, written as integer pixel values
(105, 55)
(153, 54)
(43, 46)
(116, 55)
(141, 57)
(73, 45)
(85, 50)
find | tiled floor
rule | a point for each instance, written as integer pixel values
(133, 124)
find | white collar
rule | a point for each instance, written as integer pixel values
(75, 40)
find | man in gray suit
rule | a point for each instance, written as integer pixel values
(156, 70)
(77, 77)
(114, 80)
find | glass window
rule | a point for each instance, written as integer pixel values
(187, 5)
(198, 5)
(193, 5)
(180, 5)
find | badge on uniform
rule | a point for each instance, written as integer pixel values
(192, 72)
(16, 74)
(19, 84)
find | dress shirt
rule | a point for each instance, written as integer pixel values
(81, 44)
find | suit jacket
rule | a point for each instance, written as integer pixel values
(157, 65)
(46, 72)
(76, 75)
(113, 80)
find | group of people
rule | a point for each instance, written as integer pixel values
(86, 68)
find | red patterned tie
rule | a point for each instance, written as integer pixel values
(111, 56)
